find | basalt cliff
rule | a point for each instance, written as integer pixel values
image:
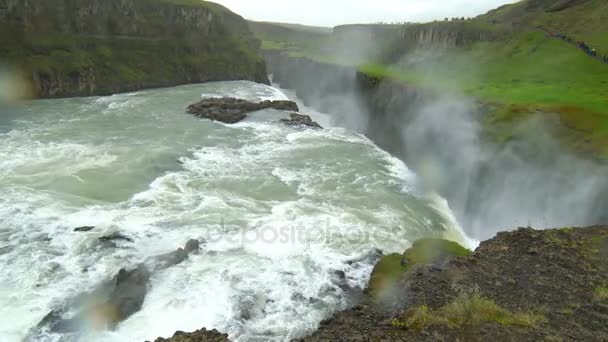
(68, 48)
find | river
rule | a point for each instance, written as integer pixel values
(277, 211)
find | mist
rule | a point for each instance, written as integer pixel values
(529, 180)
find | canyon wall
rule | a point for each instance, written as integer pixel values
(93, 47)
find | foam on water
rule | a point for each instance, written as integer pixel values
(278, 211)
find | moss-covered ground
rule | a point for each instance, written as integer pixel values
(467, 310)
(391, 267)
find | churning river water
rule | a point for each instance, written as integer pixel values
(277, 211)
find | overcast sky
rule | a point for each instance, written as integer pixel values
(337, 12)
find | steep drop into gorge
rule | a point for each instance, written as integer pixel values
(491, 184)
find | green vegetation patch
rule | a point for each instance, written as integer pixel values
(389, 269)
(467, 310)
(601, 293)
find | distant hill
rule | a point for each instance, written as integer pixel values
(298, 27)
(585, 19)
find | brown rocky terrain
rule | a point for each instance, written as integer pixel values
(202, 335)
(525, 285)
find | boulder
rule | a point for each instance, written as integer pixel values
(231, 110)
(300, 120)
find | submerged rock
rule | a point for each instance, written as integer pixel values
(231, 110)
(163, 261)
(84, 229)
(296, 119)
(115, 237)
(112, 301)
(6, 249)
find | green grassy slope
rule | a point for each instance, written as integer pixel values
(584, 20)
(528, 68)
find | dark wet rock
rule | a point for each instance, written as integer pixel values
(561, 284)
(112, 301)
(6, 249)
(128, 293)
(352, 294)
(109, 304)
(202, 335)
(231, 110)
(163, 261)
(300, 120)
(84, 229)
(192, 246)
(372, 257)
(341, 275)
(113, 237)
(55, 322)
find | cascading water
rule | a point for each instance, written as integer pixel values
(277, 211)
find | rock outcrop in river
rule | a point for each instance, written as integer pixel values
(300, 120)
(96, 47)
(231, 110)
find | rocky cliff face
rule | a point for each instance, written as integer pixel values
(442, 35)
(90, 47)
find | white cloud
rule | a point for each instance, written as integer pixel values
(337, 12)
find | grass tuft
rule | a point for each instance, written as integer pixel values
(601, 293)
(467, 310)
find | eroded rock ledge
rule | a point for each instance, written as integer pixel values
(232, 110)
